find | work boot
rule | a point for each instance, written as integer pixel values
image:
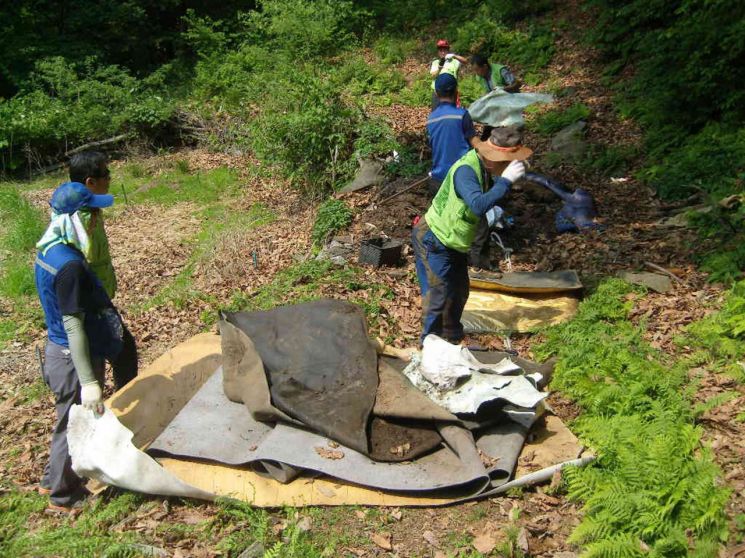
(72, 510)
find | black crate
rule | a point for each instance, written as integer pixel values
(380, 251)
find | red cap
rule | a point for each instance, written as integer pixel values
(442, 43)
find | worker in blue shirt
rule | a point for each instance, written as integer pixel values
(450, 131)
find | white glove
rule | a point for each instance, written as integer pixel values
(514, 171)
(91, 397)
(449, 56)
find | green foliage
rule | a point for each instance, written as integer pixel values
(333, 215)
(306, 129)
(418, 93)
(72, 103)
(652, 482)
(21, 226)
(686, 56)
(528, 49)
(610, 160)
(409, 163)
(392, 50)
(551, 121)
(375, 138)
(712, 161)
(722, 334)
(307, 27)
(510, 11)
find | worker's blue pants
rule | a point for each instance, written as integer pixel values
(443, 279)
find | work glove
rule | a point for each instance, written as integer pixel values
(91, 397)
(449, 56)
(514, 171)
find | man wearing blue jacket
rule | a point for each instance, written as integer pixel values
(449, 129)
(443, 237)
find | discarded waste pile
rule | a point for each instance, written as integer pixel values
(299, 409)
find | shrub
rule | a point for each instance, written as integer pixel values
(305, 28)
(307, 130)
(375, 138)
(333, 215)
(392, 50)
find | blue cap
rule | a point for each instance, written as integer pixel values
(445, 84)
(71, 196)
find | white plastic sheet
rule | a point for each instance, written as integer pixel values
(101, 448)
(441, 378)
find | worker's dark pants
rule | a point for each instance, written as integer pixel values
(433, 186)
(59, 374)
(124, 366)
(443, 279)
(478, 255)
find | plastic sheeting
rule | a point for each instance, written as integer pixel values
(499, 108)
(492, 311)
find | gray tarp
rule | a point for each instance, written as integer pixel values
(211, 427)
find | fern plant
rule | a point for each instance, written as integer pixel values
(652, 484)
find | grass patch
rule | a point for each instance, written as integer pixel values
(551, 121)
(173, 186)
(88, 535)
(21, 227)
(653, 486)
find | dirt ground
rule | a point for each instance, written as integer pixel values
(150, 247)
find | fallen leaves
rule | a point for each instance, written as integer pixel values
(327, 453)
(383, 540)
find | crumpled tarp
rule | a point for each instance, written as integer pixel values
(444, 364)
(499, 108)
(526, 282)
(319, 364)
(405, 421)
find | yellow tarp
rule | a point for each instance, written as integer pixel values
(492, 311)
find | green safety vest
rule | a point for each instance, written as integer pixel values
(449, 67)
(449, 218)
(496, 77)
(98, 256)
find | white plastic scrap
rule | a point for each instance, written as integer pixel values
(441, 378)
(444, 364)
